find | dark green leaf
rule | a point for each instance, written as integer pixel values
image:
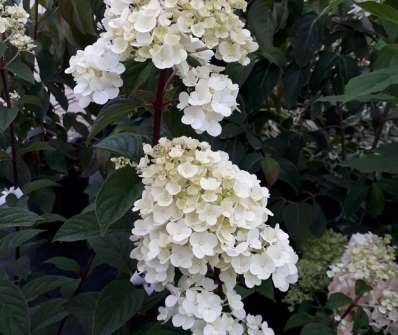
(361, 320)
(355, 198)
(45, 284)
(125, 144)
(361, 287)
(271, 170)
(386, 160)
(17, 217)
(266, 289)
(298, 217)
(64, 263)
(22, 71)
(16, 239)
(38, 185)
(317, 328)
(383, 11)
(117, 196)
(7, 116)
(375, 204)
(46, 314)
(78, 228)
(111, 113)
(36, 146)
(298, 320)
(123, 300)
(338, 300)
(368, 83)
(14, 317)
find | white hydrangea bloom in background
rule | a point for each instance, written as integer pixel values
(6, 192)
(97, 71)
(370, 258)
(13, 19)
(205, 219)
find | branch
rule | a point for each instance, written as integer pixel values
(36, 20)
(158, 106)
(83, 278)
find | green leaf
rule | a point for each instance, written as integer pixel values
(361, 320)
(386, 160)
(11, 217)
(116, 197)
(368, 83)
(271, 170)
(338, 300)
(64, 263)
(298, 217)
(125, 144)
(266, 289)
(361, 287)
(112, 112)
(38, 185)
(307, 38)
(375, 205)
(298, 320)
(7, 116)
(260, 20)
(36, 146)
(78, 228)
(14, 315)
(81, 306)
(317, 328)
(21, 70)
(16, 239)
(136, 75)
(46, 314)
(123, 300)
(355, 198)
(44, 284)
(383, 11)
(113, 249)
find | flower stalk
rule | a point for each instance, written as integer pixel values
(158, 106)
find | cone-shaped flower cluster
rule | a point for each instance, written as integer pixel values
(370, 258)
(169, 33)
(13, 20)
(205, 219)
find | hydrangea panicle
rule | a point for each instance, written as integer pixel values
(370, 258)
(203, 227)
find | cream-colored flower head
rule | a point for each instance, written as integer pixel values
(13, 20)
(203, 217)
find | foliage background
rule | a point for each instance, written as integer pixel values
(317, 125)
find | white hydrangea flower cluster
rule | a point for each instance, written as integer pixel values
(160, 29)
(370, 258)
(205, 219)
(213, 97)
(13, 20)
(194, 305)
(97, 72)
(169, 33)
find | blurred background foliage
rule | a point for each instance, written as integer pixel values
(317, 123)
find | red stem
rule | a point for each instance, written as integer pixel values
(36, 20)
(158, 106)
(83, 277)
